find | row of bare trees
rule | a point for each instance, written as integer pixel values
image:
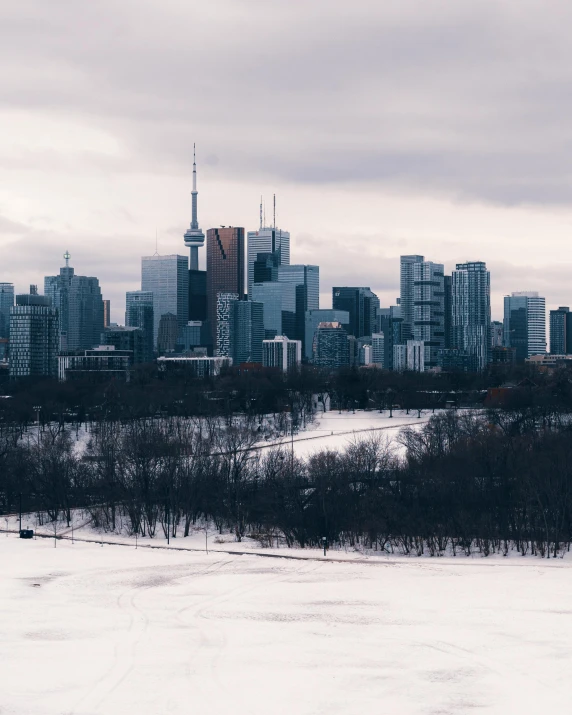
(490, 482)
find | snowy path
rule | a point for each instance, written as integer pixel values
(92, 629)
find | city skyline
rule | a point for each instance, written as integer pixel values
(454, 167)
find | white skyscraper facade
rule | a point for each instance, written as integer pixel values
(266, 240)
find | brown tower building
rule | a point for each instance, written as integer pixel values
(225, 268)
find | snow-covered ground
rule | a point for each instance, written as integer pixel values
(329, 430)
(334, 430)
(92, 629)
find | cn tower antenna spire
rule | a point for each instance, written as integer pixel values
(194, 237)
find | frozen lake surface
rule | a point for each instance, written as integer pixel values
(109, 629)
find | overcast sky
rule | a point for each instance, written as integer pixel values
(439, 128)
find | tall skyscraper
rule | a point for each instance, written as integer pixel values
(224, 306)
(362, 305)
(471, 311)
(246, 331)
(194, 237)
(561, 331)
(225, 268)
(34, 336)
(80, 307)
(167, 278)
(407, 298)
(525, 324)
(6, 302)
(268, 239)
(270, 294)
(57, 289)
(429, 309)
(139, 314)
(85, 311)
(301, 293)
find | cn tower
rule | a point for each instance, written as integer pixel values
(194, 237)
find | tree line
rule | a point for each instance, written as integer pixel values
(489, 481)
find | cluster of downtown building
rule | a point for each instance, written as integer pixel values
(184, 316)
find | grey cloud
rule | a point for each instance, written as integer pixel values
(13, 228)
(469, 100)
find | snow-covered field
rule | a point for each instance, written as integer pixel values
(332, 430)
(110, 629)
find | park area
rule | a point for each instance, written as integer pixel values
(97, 628)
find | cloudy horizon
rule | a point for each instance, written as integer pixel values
(439, 129)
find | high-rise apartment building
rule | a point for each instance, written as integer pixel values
(6, 302)
(281, 352)
(362, 305)
(525, 324)
(471, 311)
(561, 331)
(331, 346)
(167, 278)
(429, 309)
(407, 298)
(34, 337)
(267, 240)
(225, 268)
(246, 331)
(323, 315)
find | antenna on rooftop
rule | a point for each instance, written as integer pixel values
(261, 213)
(156, 244)
(274, 211)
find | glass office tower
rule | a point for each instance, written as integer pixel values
(225, 268)
(167, 278)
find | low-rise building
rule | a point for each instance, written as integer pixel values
(201, 366)
(102, 363)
